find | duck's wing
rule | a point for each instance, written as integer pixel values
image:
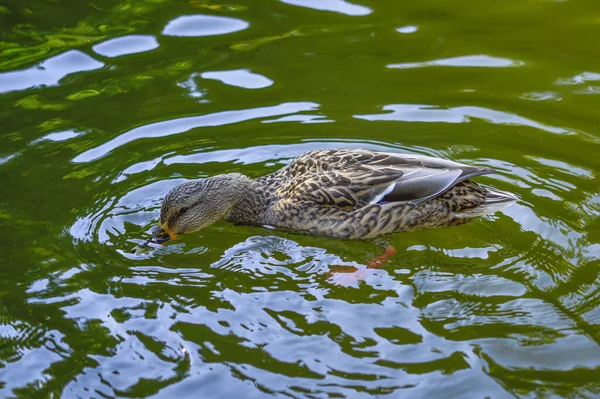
(355, 178)
(348, 189)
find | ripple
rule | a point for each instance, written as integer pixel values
(567, 353)
(432, 113)
(246, 156)
(203, 25)
(262, 311)
(266, 153)
(182, 125)
(110, 216)
(477, 285)
(564, 167)
(481, 61)
(139, 167)
(508, 306)
(541, 96)
(260, 256)
(589, 90)
(339, 6)
(33, 352)
(554, 231)
(578, 79)
(124, 45)
(239, 77)
(49, 72)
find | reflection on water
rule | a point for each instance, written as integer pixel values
(430, 113)
(58, 136)
(408, 29)
(49, 72)
(182, 125)
(580, 79)
(339, 6)
(483, 61)
(123, 45)
(240, 78)
(504, 307)
(203, 25)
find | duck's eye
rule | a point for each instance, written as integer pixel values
(182, 210)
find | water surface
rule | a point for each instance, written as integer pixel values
(105, 106)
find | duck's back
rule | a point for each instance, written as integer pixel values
(363, 194)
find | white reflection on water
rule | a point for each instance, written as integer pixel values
(49, 72)
(578, 79)
(301, 119)
(35, 360)
(182, 125)
(59, 136)
(433, 113)
(267, 152)
(268, 296)
(4, 159)
(203, 25)
(124, 45)
(240, 78)
(481, 61)
(407, 29)
(339, 6)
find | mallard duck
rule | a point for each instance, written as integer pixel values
(349, 194)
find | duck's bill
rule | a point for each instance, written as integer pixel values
(161, 236)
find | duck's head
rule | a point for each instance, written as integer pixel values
(194, 205)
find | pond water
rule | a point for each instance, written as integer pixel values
(106, 105)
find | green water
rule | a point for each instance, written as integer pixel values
(94, 133)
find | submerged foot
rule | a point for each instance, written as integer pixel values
(382, 259)
(348, 275)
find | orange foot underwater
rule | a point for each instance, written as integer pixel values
(383, 258)
(348, 275)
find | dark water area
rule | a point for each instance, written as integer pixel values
(106, 105)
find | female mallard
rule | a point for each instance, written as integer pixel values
(352, 194)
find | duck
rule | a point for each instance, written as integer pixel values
(354, 194)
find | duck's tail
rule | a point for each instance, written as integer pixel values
(495, 200)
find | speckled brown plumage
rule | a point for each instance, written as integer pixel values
(329, 192)
(352, 194)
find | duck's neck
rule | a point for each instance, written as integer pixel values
(253, 200)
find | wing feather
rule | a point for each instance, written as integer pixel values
(352, 179)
